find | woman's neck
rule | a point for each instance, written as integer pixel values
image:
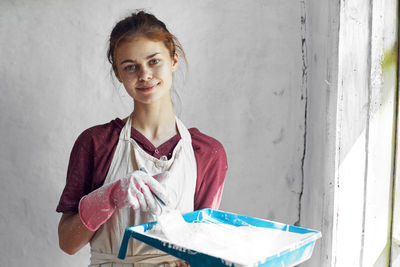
(155, 121)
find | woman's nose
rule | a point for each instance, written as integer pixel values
(145, 74)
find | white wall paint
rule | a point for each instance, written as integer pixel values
(244, 87)
(377, 220)
(348, 160)
(352, 122)
(367, 86)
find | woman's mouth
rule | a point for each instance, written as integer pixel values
(146, 88)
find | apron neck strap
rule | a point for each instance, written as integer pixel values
(126, 130)
(183, 131)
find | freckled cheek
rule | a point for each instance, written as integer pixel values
(164, 74)
(129, 83)
(162, 71)
(129, 79)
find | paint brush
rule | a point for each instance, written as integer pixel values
(154, 195)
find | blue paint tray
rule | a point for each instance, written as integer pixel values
(297, 249)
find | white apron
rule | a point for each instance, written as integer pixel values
(181, 183)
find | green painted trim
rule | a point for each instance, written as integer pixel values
(390, 57)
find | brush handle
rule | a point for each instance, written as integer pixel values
(155, 196)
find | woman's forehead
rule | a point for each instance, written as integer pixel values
(139, 48)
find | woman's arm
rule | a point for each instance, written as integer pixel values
(135, 191)
(72, 234)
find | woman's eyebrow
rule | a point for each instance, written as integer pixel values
(134, 61)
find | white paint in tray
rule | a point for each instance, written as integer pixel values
(245, 245)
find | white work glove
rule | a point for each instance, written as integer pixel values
(134, 191)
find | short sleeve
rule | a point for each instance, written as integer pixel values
(211, 176)
(79, 174)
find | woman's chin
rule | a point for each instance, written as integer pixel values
(154, 98)
(147, 100)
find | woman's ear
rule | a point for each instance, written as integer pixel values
(175, 62)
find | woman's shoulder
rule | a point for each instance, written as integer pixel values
(205, 144)
(98, 135)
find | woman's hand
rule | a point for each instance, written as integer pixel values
(136, 191)
(76, 230)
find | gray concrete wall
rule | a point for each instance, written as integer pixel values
(321, 36)
(245, 87)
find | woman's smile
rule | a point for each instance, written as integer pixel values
(146, 88)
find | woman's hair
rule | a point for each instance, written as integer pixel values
(142, 24)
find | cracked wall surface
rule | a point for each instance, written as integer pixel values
(304, 96)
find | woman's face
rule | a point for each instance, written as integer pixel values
(145, 68)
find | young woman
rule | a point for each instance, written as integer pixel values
(106, 188)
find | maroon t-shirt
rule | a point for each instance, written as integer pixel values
(93, 151)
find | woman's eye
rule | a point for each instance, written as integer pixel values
(130, 68)
(154, 61)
